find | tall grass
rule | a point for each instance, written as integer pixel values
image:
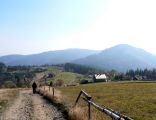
(63, 105)
(7, 96)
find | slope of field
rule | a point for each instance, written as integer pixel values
(136, 100)
(67, 77)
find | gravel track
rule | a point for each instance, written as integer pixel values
(31, 107)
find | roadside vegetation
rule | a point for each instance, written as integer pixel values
(7, 97)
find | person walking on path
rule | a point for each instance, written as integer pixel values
(34, 86)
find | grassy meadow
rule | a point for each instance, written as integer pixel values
(67, 77)
(136, 100)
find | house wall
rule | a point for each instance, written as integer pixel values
(100, 80)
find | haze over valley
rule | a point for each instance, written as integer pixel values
(120, 57)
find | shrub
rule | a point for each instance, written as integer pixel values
(9, 84)
(59, 82)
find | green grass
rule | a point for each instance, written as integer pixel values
(136, 100)
(54, 69)
(67, 77)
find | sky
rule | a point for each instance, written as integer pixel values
(34, 26)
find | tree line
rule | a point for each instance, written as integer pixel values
(21, 76)
(17, 76)
(85, 70)
(146, 74)
(138, 74)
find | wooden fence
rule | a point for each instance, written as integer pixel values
(113, 114)
(50, 88)
(87, 98)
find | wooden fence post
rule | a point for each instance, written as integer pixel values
(53, 91)
(78, 98)
(45, 82)
(89, 111)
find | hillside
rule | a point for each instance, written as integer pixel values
(121, 57)
(51, 57)
(67, 77)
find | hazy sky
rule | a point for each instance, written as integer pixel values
(32, 26)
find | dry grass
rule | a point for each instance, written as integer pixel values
(7, 96)
(57, 96)
(62, 103)
(77, 113)
(136, 100)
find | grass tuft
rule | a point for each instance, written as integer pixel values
(7, 97)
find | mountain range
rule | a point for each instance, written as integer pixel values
(50, 57)
(120, 57)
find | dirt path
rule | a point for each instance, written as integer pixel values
(31, 107)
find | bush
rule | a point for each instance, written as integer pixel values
(9, 84)
(59, 82)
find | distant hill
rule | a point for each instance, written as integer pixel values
(51, 57)
(121, 57)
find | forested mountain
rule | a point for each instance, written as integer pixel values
(51, 57)
(121, 57)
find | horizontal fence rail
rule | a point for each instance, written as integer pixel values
(113, 114)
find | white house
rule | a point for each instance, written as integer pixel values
(100, 78)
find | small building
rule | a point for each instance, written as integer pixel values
(99, 78)
(86, 81)
(137, 77)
